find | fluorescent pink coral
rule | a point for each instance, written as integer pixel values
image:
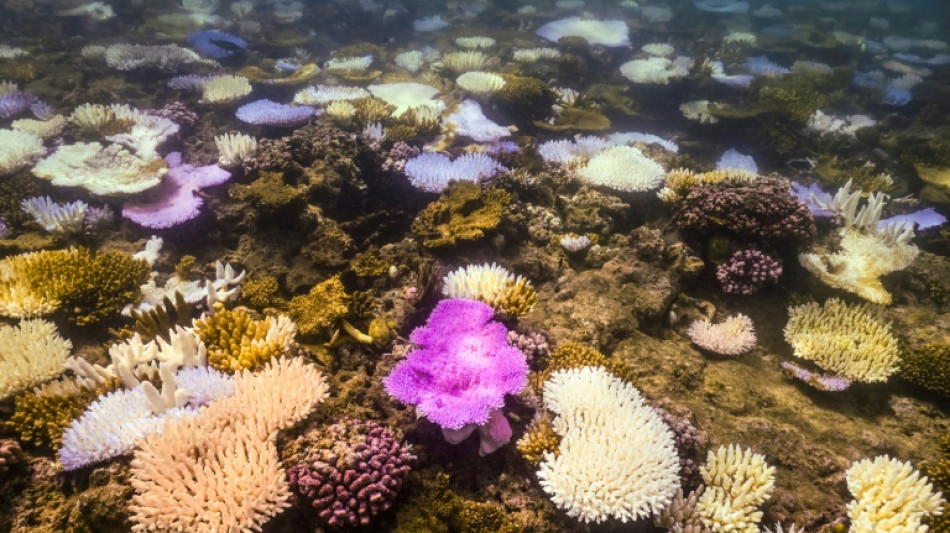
(459, 376)
(177, 202)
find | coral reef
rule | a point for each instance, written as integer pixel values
(236, 341)
(464, 212)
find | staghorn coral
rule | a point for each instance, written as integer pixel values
(349, 471)
(87, 288)
(319, 309)
(236, 341)
(760, 209)
(539, 438)
(852, 341)
(41, 416)
(927, 366)
(156, 322)
(464, 212)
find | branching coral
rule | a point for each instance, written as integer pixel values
(852, 341)
(30, 353)
(927, 366)
(89, 289)
(575, 355)
(737, 482)
(41, 416)
(890, 497)
(510, 295)
(464, 212)
(236, 341)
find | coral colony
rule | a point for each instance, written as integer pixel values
(527, 266)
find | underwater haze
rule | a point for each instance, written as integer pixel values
(481, 266)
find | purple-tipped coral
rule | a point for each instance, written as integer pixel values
(459, 376)
(178, 201)
(269, 113)
(350, 471)
(14, 103)
(747, 271)
(819, 381)
(762, 209)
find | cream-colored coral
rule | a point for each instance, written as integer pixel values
(732, 336)
(358, 64)
(234, 148)
(533, 55)
(101, 169)
(406, 95)
(852, 341)
(341, 109)
(890, 497)
(18, 149)
(478, 41)
(622, 168)
(224, 89)
(698, 111)
(737, 482)
(658, 49)
(324, 94)
(491, 284)
(220, 471)
(616, 458)
(658, 70)
(481, 82)
(464, 61)
(30, 353)
(41, 128)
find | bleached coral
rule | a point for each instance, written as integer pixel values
(609, 33)
(101, 169)
(478, 41)
(55, 218)
(45, 129)
(166, 58)
(852, 341)
(412, 60)
(359, 63)
(18, 149)
(489, 283)
(890, 496)
(659, 49)
(11, 52)
(737, 482)
(616, 458)
(656, 70)
(698, 111)
(406, 96)
(533, 55)
(464, 61)
(622, 168)
(30, 353)
(227, 453)
(432, 172)
(732, 336)
(234, 148)
(324, 94)
(481, 82)
(469, 121)
(224, 89)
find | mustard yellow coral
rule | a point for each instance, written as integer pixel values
(317, 310)
(87, 288)
(576, 355)
(679, 181)
(236, 341)
(852, 341)
(538, 438)
(464, 212)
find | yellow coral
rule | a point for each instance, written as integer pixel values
(464, 212)
(853, 341)
(88, 288)
(510, 295)
(30, 353)
(317, 310)
(41, 415)
(236, 341)
(737, 482)
(576, 355)
(539, 438)
(679, 181)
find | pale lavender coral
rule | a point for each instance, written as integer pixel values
(763, 66)
(398, 155)
(269, 113)
(922, 219)
(733, 159)
(469, 121)
(819, 381)
(179, 203)
(14, 103)
(4, 230)
(459, 376)
(432, 172)
(746, 272)
(352, 473)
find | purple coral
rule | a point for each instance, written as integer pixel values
(176, 112)
(15, 102)
(179, 201)
(350, 471)
(747, 271)
(819, 381)
(459, 376)
(269, 113)
(763, 208)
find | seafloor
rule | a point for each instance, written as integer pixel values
(323, 201)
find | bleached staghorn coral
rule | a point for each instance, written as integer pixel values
(481, 82)
(55, 218)
(732, 336)
(18, 149)
(234, 148)
(224, 89)
(493, 285)
(412, 60)
(30, 353)
(324, 94)
(737, 482)
(93, 119)
(868, 250)
(226, 454)
(146, 132)
(225, 287)
(622, 168)
(616, 459)
(698, 111)
(890, 497)
(852, 341)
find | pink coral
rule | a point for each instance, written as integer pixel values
(178, 201)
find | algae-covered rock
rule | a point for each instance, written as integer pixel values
(269, 193)
(464, 212)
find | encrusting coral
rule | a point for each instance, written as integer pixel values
(316, 311)
(87, 288)
(236, 341)
(463, 213)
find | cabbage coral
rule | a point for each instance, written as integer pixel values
(102, 170)
(852, 341)
(88, 288)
